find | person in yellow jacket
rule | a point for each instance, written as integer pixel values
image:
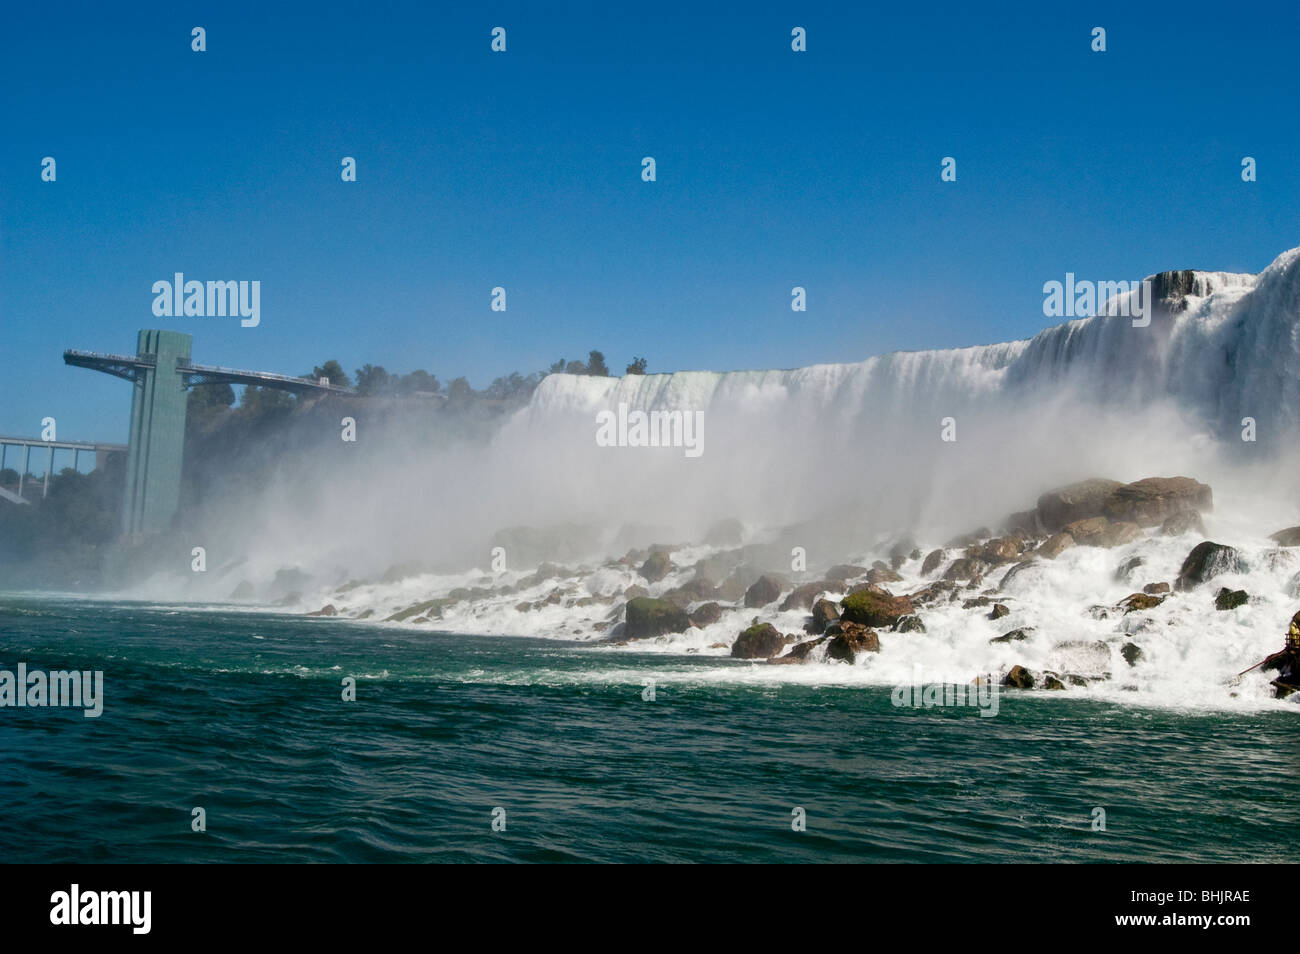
(1286, 662)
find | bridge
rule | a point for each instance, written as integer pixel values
(161, 372)
(25, 445)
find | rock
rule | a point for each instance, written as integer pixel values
(657, 566)
(847, 639)
(699, 588)
(1183, 521)
(1125, 569)
(940, 591)
(824, 612)
(1207, 560)
(1055, 545)
(1064, 505)
(1098, 612)
(763, 591)
(706, 615)
(635, 591)
(1051, 681)
(998, 550)
(999, 611)
(803, 597)
(327, 610)
(875, 608)
(760, 641)
(909, 624)
(648, 617)
(429, 608)
(1131, 652)
(964, 568)
(845, 571)
(1156, 588)
(365, 614)
(732, 589)
(1018, 677)
(1149, 501)
(1230, 599)
(1015, 636)
(1101, 532)
(902, 549)
(800, 651)
(1139, 601)
(1290, 537)
(932, 562)
(882, 574)
(1025, 570)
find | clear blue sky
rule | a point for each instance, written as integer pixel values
(522, 169)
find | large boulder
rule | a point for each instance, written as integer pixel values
(1207, 560)
(694, 590)
(802, 597)
(1290, 537)
(1227, 599)
(1183, 521)
(760, 641)
(648, 617)
(1139, 602)
(706, 615)
(845, 571)
(964, 568)
(1064, 505)
(1102, 532)
(848, 639)
(875, 607)
(932, 562)
(1149, 501)
(1055, 545)
(1018, 677)
(824, 612)
(763, 591)
(657, 566)
(995, 551)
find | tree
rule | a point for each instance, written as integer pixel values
(419, 382)
(334, 371)
(373, 380)
(259, 403)
(596, 364)
(637, 366)
(459, 390)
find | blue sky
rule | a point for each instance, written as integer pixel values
(522, 170)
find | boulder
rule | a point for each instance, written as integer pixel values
(1018, 677)
(328, 609)
(760, 641)
(763, 591)
(1064, 505)
(1149, 501)
(694, 590)
(1055, 545)
(1125, 569)
(648, 617)
(1137, 602)
(909, 624)
(1156, 588)
(848, 639)
(1052, 681)
(1290, 537)
(1183, 521)
(882, 574)
(1206, 561)
(964, 568)
(1015, 636)
(657, 566)
(800, 651)
(803, 597)
(875, 607)
(1026, 522)
(824, 612)
(1131, 652)
(706, 615)
(933, 560)
(1101, 532)
(1227, 599)
(999, 611)
(997, 550)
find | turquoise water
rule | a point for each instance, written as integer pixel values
(242, 715)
